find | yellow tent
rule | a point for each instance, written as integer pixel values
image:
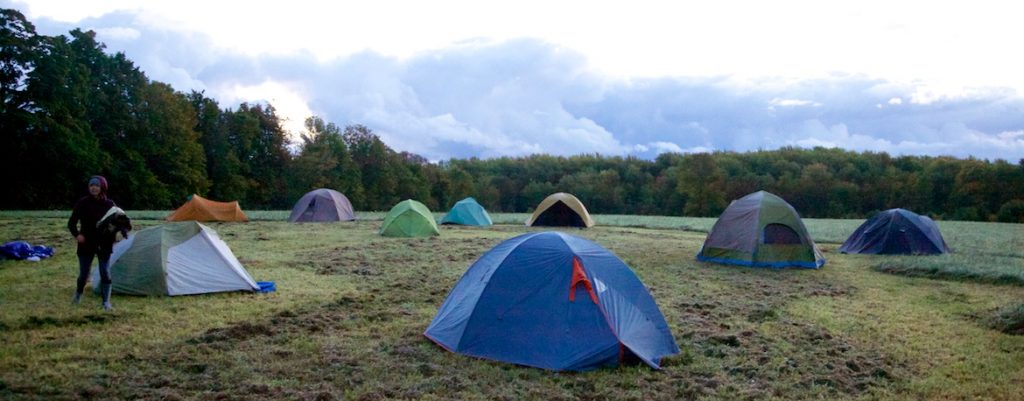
(562, 210)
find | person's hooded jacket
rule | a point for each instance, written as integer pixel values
(88, 211)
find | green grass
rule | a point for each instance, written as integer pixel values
(982, 252)
(351, 306)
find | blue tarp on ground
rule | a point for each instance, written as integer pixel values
(555, 301)
(896, 231)
(19, 250)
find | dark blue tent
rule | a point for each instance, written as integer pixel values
(896, 231)
(555, 301)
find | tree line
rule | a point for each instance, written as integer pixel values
(70, 110)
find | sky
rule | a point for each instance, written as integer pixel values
(465, 79)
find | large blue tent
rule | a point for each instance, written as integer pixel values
(467, 212)
(896, 231)
(554, 301)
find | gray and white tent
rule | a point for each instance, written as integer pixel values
(182, 258)
(322, 205)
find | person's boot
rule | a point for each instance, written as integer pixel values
(105, 289)
(76, 299)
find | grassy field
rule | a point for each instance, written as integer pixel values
(351, 306)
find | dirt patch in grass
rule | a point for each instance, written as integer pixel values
(1009, 320)
(742, 327)
(35, 322)
(246, 359)
(378, 256)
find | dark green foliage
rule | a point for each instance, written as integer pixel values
(325, 162)
(1012, 211)
(702, 181)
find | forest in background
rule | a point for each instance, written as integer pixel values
(70, 110)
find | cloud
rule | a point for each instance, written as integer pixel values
(118, 33)
(792, 102)
(490, 98)
(663, 147)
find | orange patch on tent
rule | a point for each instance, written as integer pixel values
(580, 277)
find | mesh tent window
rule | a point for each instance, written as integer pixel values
(779, 234)
(310, 210)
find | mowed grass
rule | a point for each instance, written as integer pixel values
(351, 306)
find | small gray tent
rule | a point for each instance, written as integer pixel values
(322, 205)
(467, 212)
(180, 258)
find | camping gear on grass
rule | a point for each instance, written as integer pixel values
(21, 250)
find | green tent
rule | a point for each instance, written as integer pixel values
(409, 218)
(468, 213)
(761, 230)
(181, 258)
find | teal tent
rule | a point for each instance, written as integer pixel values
(467, 212)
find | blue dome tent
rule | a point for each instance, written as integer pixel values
(896, 231)
(554, 301)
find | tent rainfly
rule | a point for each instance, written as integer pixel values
(761, 230)
(201, 209)
(560, 210)
(322, 205)
(181, 258)
(409, 218)
(554, 301)
(896, 231)
(467, 212)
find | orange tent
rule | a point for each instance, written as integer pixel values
(201, 209)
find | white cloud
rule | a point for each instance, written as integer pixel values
(288, 104)
(648, 38)
(793, 102)
(966, 142)
(118, 33)
(664, 147)
(698, 149)
(492, 97)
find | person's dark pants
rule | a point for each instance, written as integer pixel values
(85, 264)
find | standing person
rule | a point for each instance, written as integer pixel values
(91, 241)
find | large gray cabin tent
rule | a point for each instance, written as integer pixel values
(322, 205)
(761, 230)
(181, 258)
